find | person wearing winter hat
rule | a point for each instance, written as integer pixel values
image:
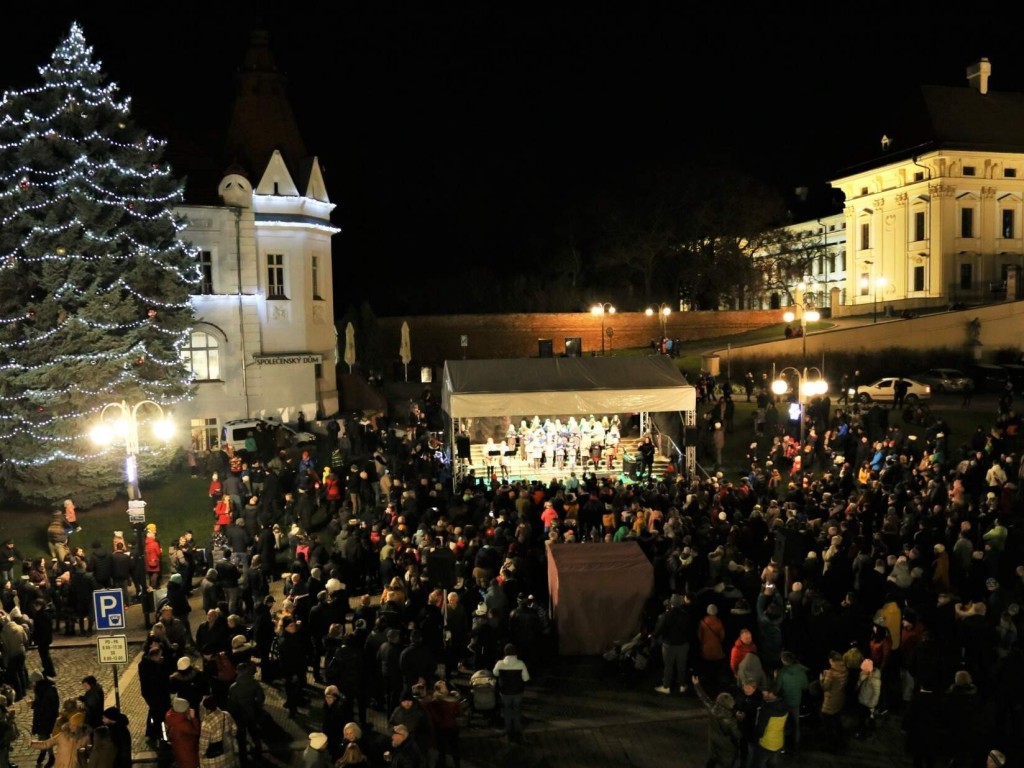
(316, 755)
(182, 727)
(336, 712)
(869, 691)
(117, 723)
(71, 735)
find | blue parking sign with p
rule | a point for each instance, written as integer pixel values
(108, 605)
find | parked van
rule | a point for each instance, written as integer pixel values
(235, 432)
(988, 378)
(1016, 374)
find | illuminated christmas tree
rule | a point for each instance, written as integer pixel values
(94, 280)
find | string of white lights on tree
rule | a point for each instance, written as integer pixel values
(94, 274)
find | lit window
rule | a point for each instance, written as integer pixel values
(919, 233)
(275, 275)
(315, 265)
(966, 276)
(966, 222)
(206, 273)
(204, 434)
(202, 356)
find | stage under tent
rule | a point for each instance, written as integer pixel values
(482, 399)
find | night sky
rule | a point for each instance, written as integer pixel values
(457, 133)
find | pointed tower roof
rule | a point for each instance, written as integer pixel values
(261, 118)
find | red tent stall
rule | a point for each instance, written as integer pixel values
(598, 593)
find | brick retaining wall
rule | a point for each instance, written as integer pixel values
(438, 338)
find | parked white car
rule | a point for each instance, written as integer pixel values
(884, 391)
(237, 430)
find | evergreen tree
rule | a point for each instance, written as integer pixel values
(94, 281)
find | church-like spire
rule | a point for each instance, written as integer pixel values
(261, 117)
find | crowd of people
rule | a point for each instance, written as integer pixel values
(838, 593)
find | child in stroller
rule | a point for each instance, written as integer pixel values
(483, 696)
(630, 656)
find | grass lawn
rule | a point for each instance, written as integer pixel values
(175, 506)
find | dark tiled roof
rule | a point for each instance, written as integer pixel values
(259, 120)
(262, 119)
(942, 117)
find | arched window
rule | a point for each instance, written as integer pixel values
(202, 356)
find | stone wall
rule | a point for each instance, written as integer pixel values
(999, 326)
(435, 339)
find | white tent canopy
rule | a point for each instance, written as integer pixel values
(564, 385)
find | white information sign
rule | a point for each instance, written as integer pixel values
(112, 649)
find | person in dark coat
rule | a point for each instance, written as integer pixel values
(294, 663)
(526, 630)
(117, 722)
(344, 669)
(263, 634)
(80, 588)
(45, 705)
(214, 635)
(188, 683)
(417, 662)
(405, 752)
(375, 692)
(100, 565)
(177, 598)
(121, 569)
(318, 623)
(92, 698)
(156, 692)
(266, 547)
(458, 625)
(42, 634)
(336, 713)
(388, 661)
(246, 698)
(924, 725)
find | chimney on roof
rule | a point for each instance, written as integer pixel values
(978, 75)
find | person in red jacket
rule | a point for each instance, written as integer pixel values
(445, 710)
(153, 553)
(711, 634)
(744, 644)
(333, 493)
(183, 733)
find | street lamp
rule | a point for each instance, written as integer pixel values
(126, 427)
(663, 310)
(807, 313)
(878, 281)
(806, 389)
(607, 308)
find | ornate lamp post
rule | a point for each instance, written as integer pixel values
(874, 283)
(606, 308)
(807, 314)
(806, 389)
(126, 427)
(663, 311)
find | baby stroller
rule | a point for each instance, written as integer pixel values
(631, 656)
(483, 696)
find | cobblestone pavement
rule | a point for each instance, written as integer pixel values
(576, 714)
